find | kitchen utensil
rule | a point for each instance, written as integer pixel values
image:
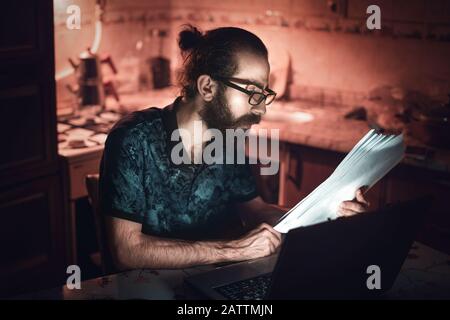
(91, 89)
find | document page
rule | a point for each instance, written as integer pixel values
(369, 161)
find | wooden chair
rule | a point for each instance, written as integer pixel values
(92, 184)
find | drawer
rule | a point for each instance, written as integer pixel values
(78, 172)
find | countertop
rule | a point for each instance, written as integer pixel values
(327, 128)
(298, 122)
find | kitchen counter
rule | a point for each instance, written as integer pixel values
(326, 128)
(298, 123)
(129, 103)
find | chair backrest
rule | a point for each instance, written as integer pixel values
(92, 184)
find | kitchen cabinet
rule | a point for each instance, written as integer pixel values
(27, 92)
(32, 227)
(407, 183)
(30, 236)
(75, 165)
(305, 168)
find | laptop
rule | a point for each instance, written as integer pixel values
(337, 259)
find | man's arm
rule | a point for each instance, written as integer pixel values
(132, 249)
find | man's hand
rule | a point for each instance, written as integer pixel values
(259, 242)
(357, 205)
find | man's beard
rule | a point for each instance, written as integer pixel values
(217, 115)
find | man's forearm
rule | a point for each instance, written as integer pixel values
(152, 252)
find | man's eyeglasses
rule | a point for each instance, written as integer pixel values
(255, 97)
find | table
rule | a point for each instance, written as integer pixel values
(425, 274)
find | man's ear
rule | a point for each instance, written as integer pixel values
(206, 87)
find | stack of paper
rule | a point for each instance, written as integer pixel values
(369, 160)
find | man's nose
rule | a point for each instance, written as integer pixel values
(259, 109)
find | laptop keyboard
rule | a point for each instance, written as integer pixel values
(248, 289)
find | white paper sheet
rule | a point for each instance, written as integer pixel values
(369, 160)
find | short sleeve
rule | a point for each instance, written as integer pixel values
(121, 189)
(243, 184)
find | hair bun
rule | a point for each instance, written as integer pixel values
(189, 38)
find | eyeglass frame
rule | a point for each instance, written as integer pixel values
(227, 82)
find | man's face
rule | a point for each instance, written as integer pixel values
(230, 108)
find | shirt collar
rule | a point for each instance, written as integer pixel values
(169, 119)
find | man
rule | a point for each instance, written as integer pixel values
(163, 215)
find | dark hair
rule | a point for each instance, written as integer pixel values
(213, 53)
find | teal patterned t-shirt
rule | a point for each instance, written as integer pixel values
(139, 182)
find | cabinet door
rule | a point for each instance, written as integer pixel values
(27, 93)
(17, 24)
(309, 167)
(407, 183)
(31, 237)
